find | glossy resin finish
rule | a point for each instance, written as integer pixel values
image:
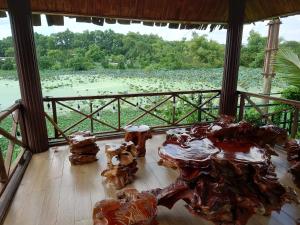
(293, 156)
(130, 208)
(226, 174)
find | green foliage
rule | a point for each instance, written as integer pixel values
(252, 116)
(95, 53)
(252, 55)
(291, 45)
(288, 64)
(136, 51)
(79, 63)
(7, 64)
(292, 93)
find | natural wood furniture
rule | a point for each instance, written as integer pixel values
(130, 208)
(226, 173)
(121, 162)
(293, 156)
(83, 148)
(138, 135)
(65, 195)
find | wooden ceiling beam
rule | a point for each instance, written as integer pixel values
(55, 20)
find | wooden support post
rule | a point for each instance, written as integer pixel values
(271, 50)
(242, 107)
(174, 110)
(54, 114)
(294, 129)
(3, 171)
(199, 111)
(228, 100)
(119, 114)
(91, 118)
(29, 78)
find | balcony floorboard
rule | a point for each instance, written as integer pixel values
(54, 193)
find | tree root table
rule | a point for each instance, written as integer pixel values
(226, 173)
(138, 135)
(293, 156)
(131, 208)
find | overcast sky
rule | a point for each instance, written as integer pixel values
(289, 30)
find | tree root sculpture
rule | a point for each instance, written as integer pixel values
(121, 163)
(138, 135)
(130, 208)
(83, 148)
(293, 156)
(226, 173)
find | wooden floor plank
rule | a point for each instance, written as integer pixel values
(53, 192)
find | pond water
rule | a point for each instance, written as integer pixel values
(9, 92)
(70, 85)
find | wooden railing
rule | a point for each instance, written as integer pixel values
(107, 114)
(286, 116)
(10, 157)
(14, 155)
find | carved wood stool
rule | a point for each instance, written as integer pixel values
(121, 163)
(83, 148)
(138, 135)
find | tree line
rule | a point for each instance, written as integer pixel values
(83, 51)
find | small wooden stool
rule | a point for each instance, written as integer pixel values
(83, 148)
(121, 163)
(138, 135)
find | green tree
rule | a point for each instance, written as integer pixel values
(8, 64)
(205, 53)
(252, 55)
(95, 53)
(78, 63)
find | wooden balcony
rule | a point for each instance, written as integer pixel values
(53, 192)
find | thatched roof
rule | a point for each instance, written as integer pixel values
(183, 14)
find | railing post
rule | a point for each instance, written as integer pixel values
(119, 115)
(174, 110)
(199, 110)
(92, 121)
(294, 129)
(3, 173)
(242, 107)
(22, 124)
(54, 114)
(284, 119)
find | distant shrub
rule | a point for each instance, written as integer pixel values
(45, 62)
(79, 63)
(8, 64)
(292, 93)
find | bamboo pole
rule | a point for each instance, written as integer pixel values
(270, 53)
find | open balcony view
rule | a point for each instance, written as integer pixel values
(149, 112)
